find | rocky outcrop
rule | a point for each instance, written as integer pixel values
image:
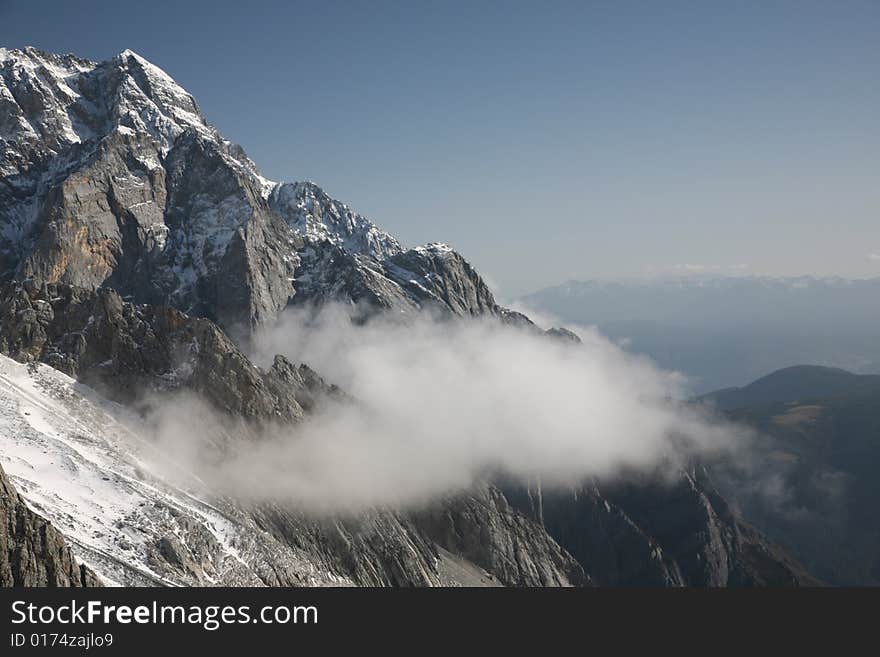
(661, 531)
(601, 536)
(484, 528)
(32, 551)
(438, 277)
(388, 548)
(84, 188)
(124, 350)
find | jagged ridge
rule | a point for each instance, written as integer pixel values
(112, 177)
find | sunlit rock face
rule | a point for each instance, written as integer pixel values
(113, 177)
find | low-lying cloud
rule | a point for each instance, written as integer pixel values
(440, 404)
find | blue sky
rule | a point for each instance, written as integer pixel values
(545, 141)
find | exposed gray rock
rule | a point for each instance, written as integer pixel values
(600, 535)
(112, 177)
(313, 214)
(171, 552)
(32, 551)
(484, 528)
(124, 349)
(653, 530)
(563, 334)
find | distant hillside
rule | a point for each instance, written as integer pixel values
(811, 483)
(793, 384)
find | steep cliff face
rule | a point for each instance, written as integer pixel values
(657, 530)
(32, 551)
(112, 177)
(698, 530)
(387, 548)
(488, 531)
(125, 350)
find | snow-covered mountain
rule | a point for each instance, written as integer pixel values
(138, 251)
(112, 176)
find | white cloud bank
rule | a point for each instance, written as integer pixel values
(441, 404)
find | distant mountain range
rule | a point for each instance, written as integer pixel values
(811, 482)
(727, 331)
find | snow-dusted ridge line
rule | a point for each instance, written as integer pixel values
(115, 178)
(147, 100)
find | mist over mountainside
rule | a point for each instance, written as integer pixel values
(145, 260)
(728, 331)
(811, 483)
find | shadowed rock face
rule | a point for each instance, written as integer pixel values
(123, 350)
(657, 531)
(32, 551)
(491, 533)
(386, 548)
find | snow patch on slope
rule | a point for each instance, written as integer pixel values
(311, 212)
(78, 460)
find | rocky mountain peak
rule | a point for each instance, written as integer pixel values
(310, 211)
(111, 176)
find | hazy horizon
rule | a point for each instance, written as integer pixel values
(679, 275)
(546, 143)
